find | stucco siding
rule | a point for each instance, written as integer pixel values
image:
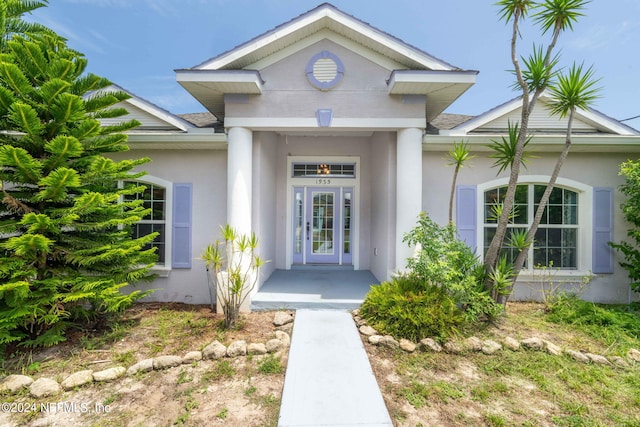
(362, 93)
(383, 212)
(207, 171)
(589, 169)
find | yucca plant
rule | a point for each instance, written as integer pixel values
(458, 156)
(234, 266)
(534, 76)
(65, 245)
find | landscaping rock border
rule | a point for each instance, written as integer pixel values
(45, 387)
(490, 347)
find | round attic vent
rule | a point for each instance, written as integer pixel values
(325, 70)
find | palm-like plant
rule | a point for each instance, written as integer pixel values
(457, 156)
(555, 16)
(504, 150)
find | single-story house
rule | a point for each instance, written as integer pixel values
(327, 137)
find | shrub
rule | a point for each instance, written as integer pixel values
(446, 261)
(408, 307)
(631, 209)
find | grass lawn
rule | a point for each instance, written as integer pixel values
(517, 388)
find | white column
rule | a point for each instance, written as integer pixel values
(239, 175)
(408, 189)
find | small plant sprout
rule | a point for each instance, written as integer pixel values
(233, 264)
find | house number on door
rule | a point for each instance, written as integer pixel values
(323, 181)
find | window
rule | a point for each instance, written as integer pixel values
(556, 241)
(327, 170)
(154, 197)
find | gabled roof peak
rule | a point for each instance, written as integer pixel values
(325, 16)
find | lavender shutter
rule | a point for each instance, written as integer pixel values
(466, 218)
(181, 245)
(602, 230)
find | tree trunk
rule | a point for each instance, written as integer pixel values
(522, 256)
(453, 192)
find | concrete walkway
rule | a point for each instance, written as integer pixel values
(329, 381)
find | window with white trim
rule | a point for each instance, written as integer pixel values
(154, 197)
(556, 241)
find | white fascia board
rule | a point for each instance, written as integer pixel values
(385, 40)
(224, 76)
(487, 117)
(311, 124)
(325, 13)
(260, 42)
(251, 78)
(160, 113)
(541, 143)
(612, 125)
(429, 76)
(146, 106)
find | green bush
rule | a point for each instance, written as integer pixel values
(631, 209)
(408, 307)
(446, 261)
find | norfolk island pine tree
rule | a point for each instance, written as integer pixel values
(65, 231)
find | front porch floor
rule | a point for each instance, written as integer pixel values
(314, 289)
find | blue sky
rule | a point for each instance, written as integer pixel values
(138, 44)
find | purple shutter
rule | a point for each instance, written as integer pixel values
(466, 217)
(602, 230)
(181, 245)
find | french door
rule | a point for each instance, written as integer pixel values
(322, 225)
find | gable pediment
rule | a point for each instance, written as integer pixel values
(541, 121)
(150, 116)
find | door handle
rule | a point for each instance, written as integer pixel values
(307, 230)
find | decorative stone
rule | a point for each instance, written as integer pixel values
(359, 321)
(356, 312)
(43, 387)
(578, 356)
(367, 330)
(237, 348)
(145, 365)
(109, 374)
(473, 344)
(375, 339)
(389, 341)
(490, 347)
(256, 348)
(453, 347)
(215, 350)
(551, 348)
(284, 337)
(77, 379)
(407, 345)
(274, 345)
(13, 383)
(165, 362)
(192, 356)
(282, 318)
(512, 343)
(619, 361)
(534, 343)
(596, 358)
(634, 355)
(429, 344)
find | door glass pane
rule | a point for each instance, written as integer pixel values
(297, 220)
(347, 222)
(322, 235)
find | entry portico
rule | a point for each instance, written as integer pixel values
(325, 117)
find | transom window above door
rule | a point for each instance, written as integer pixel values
(315, 170)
